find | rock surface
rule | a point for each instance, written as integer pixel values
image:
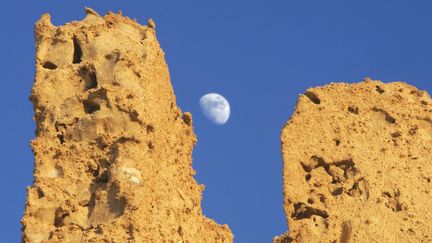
(112, 150)
(358, 164)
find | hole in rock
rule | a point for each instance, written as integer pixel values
(320, 162)
(40, 193)
(337, 191)
(95, 100)
(379, 89)
(396, 134)
(344, 164)
(61, 138)
(113, 56)
(306, 167)
(390, 118)
(77, 52)
(60, 215)
(302, 211)
(133, 115)
(49, 65)
(322, 198)
(90, 107)
(398, 207)
(353, 109)
(116, 203)
(150, 129)
(150, 145)
(60, 128)
(313, 97)
(387, 116)
(103, 178)
(187, 118)
(89, 77)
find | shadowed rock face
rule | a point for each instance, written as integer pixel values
(112, 149)
(358, 164)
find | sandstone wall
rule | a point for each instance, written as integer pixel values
(358, 164)
(112, 149)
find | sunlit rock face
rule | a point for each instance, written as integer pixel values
(112, 149)
(358, 164)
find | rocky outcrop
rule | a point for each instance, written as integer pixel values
(112, 149)
(358, 164)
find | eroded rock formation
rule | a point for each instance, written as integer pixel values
(358, 164)
(112, 149)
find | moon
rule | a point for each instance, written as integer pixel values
(215, 108)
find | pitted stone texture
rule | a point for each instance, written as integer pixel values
(112, 149)
(358, 164)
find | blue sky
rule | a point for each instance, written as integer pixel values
(259, 54)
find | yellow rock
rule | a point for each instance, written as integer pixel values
(112, 151)
(370, 148)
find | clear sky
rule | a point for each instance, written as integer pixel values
(259, 54)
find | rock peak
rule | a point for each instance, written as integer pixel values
(113, 152)
(357, 164)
